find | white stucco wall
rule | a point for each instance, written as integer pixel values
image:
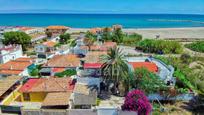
(6, 56)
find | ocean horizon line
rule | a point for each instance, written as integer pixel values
(62, 13)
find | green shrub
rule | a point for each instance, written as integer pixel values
(34, 72)
(68, 72)
(160, 46)
(182, 77)
(196, 46)
(147, 81)
(132, 39)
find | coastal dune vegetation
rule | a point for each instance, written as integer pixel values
(196, 46)
(159, 46)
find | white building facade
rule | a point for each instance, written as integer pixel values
(10, 52)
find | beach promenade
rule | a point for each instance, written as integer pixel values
(189, 33)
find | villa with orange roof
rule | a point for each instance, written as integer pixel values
(20, 66)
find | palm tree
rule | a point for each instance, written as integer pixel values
(114, 67)
(89, 42)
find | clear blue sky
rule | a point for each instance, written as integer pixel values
(104, 6)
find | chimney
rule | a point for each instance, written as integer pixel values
(11, 67)
(82, 63)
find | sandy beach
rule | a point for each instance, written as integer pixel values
(190, 33)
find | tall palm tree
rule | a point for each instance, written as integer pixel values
(114, 66)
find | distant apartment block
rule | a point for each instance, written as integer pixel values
(10, 52)
(36, 33)
(56, 29)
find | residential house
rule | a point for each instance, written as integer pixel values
(9, 91)
(80, 49)
(36, 93)
(49, 92)
(20, 66)
(165, 72)
(45, 50)
(103, 47)
(55, 30)
(84, 96)
(7, 85)
(62, 62)
(91, 64)
(10, 52)
(115, 27)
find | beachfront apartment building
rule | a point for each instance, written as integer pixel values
(56, 30)
(36, 33)
(10, 52)
(31, 30)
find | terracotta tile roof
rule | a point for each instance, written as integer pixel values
(49, 43)
(15, 67)
(82, 89)
(94, 56)
(25, 59)
(95, 30)
(57, 99)
(109, 29)
(57, 70)
(84, 95)
(110, 44)
(68, 60)
(7, 82)
(92, 65)
(10, 72)
(104, 47)
(117, 26)
(84, 47)
(48, 85)
(25, 28)
(152, 67)
(57, 27)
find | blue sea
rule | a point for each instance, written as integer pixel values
(102, 20)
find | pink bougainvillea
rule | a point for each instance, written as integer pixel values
(137, 101)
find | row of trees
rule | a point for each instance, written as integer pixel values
(196, 46)
(160, 46)
(17, 38)
(24, 39)
(120, 37)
